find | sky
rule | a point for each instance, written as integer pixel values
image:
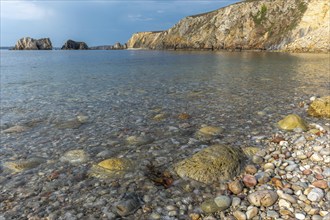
(96, 22)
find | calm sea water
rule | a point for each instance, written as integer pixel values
(123, 90)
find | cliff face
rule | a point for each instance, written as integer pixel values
(296, 25)
(28, 43)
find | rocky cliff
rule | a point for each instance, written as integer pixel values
(294, 25)
(74, 45)
(28, 43)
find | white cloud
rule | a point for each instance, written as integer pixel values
(24, 10)
(139, 17)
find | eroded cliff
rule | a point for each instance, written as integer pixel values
(294, 25)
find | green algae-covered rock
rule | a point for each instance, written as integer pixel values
(111, 168)
(320, 107)
(215, 163)
(291, 122)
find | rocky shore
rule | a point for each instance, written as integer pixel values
(288, 177)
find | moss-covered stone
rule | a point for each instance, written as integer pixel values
(291, 122)
(320, 107)
(22, 165)
(215, 163)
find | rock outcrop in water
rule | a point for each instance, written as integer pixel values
(74, 45)
(292, 25)
(116, 46)
(28, 43)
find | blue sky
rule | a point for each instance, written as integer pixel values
(93, 21)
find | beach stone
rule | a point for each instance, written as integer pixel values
(284, 204)
(315, 195)
(262, 177)
(111, 168)
(15, 129)
(252, 212)
(239, 215)
(128, 205)
(285, 196)
(249, 180)
(320, 184)
(291, 122)
(291, 167)
(257, 159)
(208, 133)
(235, 187)
(272, 214)
(75, 156)
(326, 172)
(250, 151)
(223, 202)
(269, 166)
(22, 165)
(299, 216)
(236, 201)
(159, 117)
(209, 206)
(215, 163)
(262, 198)
(316, 157)
(184, 116)
(320, 107)
(251, 169)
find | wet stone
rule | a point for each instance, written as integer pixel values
(208, 133)
(130, 203)
(263, 198)
(75, 156)
(22, 165)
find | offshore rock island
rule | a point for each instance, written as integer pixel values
(293, 25)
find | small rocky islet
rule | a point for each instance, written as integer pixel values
(285, 176)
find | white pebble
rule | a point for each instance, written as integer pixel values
(300, 216)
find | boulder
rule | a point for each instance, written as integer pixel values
(28, 43)
(320, 107)
(291, 122)
(74, 45)
(215, 163)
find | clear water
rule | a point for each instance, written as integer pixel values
(123, 90)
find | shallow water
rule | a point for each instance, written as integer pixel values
(121, 91)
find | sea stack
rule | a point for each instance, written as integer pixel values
(74, 45)
(28, 43)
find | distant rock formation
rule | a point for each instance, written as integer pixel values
(290, 25)
(74, 45)
(28, 43)
(116, 46)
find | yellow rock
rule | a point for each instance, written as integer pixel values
(320, 107)
(208, 132)
(159, 117)
(116, 164)
(111, 168)
(291, 122)
(21, 165)
(215, 163)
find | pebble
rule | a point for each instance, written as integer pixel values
(300, 216)
(239, 215)
(235, 187)
(269, 166)
(249, 180)
(315, 195)
(128, 205)
(252, 212)
(223, 202)
(285, 196)
(262, 198)
(316, 157)
(320, 184)
(251, 169)
(291, 168)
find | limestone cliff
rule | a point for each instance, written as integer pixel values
(295, 25)
(27, 43)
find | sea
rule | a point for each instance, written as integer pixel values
(146, 106)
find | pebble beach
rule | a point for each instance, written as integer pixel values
(285, 175)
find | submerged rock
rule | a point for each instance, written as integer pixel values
(128, 205)
(22, 165)
(139, 140)
(320, 107)
(112, 167)
(208, 133)
(291, 122)
(15, 129)
(75, 156)
(71, 124)
(215, 163)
